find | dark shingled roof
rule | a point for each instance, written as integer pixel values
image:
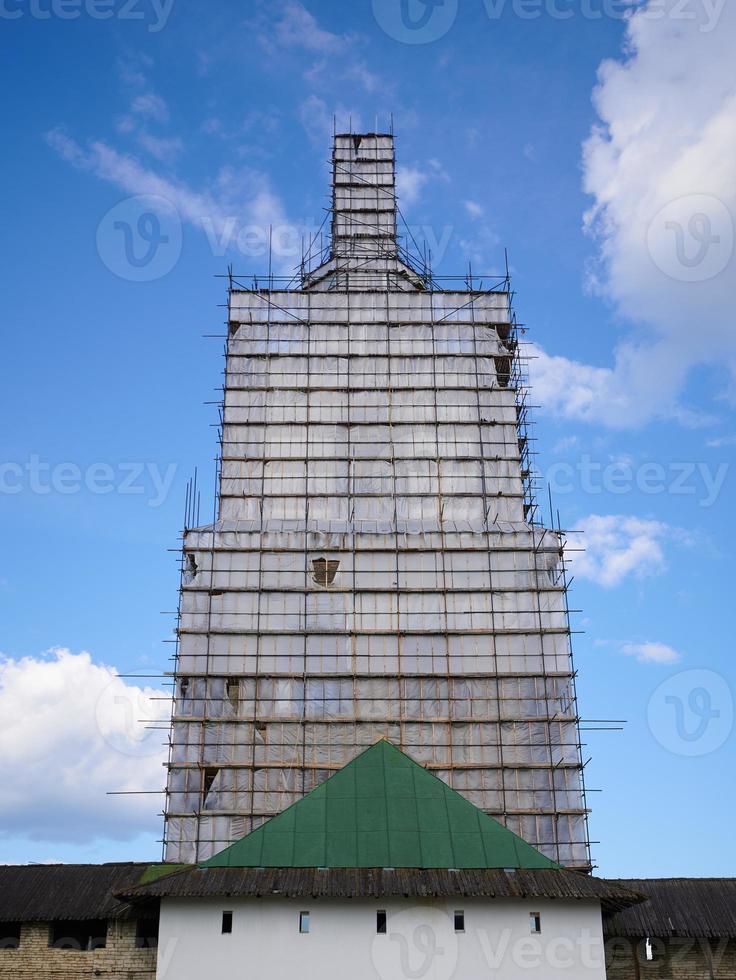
(634, 908)
(693, 908)
(50, 892)
(385, 883)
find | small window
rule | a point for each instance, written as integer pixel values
(535, 923)
(9, 935)
(381, 921)
(190, 568)
(304, 922)
(146, 934)
(208, 778)
(81, 936)
(227, 923)
(459, 921)
(323, 571)
(233, 692)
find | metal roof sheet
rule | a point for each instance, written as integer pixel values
(382, 810)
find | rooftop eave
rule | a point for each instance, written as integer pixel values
(380, 883)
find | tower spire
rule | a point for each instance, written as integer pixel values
(363, 197)
(365, 251)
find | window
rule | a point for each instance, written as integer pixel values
(208, 778)
(146, 934)
(459, 921)
(85, 935)
(535, 923)
(381, 921)
(9, 935)
(190, 568)
(304, 922)
(323, 571)
(227, 923)
(233, 692)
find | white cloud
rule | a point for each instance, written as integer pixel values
(651, 653)
(71, 732)
(564, 444)
(480, 246)
(358, 72)
(320, 121)
(231, 201)
(151, 106)
(296, 27)
(641, 387)
(472, 136)
(409, 184)
(617, 547)
(411, 181)
(146, 109)
(132, 70)
(329, 72)
(291, 26)
(659, 166)
(162, 148)
(568, 388)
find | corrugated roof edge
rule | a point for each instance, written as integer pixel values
(688, 908)
(198, 882)
(54, 892)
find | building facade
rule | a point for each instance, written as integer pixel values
(73, 922)
(439, 938)
(375, 568)
(64, 922)
(383, 871)
(685, 930)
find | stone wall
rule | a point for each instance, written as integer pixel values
(119, 960)
(672, 959)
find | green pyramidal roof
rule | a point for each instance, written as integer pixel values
(382, 810)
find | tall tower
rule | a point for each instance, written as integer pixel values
(376, 569)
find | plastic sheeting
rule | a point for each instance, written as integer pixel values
(375, 431)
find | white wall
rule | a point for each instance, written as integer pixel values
(342, 943)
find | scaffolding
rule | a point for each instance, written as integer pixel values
(376, 567)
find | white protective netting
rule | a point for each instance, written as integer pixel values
(372, 572)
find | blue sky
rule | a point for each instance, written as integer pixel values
(598, 150)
